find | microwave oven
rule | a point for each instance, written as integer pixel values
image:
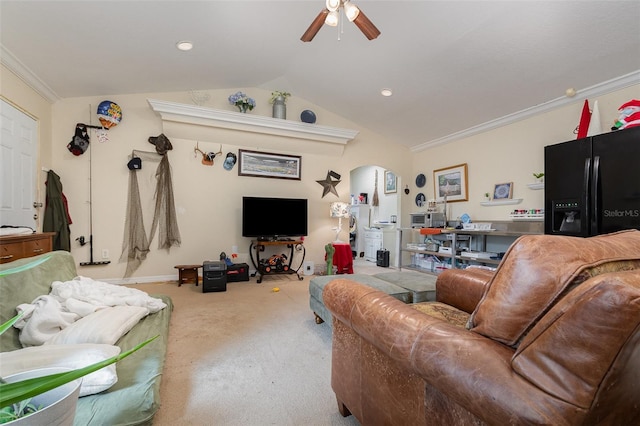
(427, 220)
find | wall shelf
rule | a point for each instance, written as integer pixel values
(202, 117)
(536, 185)
(527, 216)
(501, 202)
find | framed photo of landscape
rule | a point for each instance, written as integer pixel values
(269, 165)
(452, 182)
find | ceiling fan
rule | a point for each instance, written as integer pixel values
(330, 16)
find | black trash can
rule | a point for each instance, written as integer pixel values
(382, 258)
(214, 276)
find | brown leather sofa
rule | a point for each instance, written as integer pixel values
(553, 338)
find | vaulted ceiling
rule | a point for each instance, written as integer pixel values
(452, 65)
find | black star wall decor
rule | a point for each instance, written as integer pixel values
(329, 184)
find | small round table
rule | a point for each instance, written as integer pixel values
(187, 273)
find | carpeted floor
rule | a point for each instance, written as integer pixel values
(248, 356)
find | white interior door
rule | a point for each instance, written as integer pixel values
(18, 157)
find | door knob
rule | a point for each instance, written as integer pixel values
(36, 205)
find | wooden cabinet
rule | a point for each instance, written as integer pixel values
(14, 247)
(372, 243)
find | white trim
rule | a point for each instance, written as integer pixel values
(590, 92)
(141, 280)
(501, 202)
(209, 117)
(9, 60)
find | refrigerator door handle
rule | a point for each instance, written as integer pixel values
(595, 199)
(587, 196)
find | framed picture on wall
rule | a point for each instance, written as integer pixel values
(269, 165)
(390, 182)
(452, 183)
(503, 191)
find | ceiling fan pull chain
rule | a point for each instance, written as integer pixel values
(341, 24)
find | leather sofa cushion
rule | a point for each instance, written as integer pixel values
(463, 288)
(444, 312)
(538, 270)
(569, 352)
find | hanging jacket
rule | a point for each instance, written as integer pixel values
(56, 213)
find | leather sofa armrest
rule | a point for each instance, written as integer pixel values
(462, 288)
(472, 370)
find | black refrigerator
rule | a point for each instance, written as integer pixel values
(592, 185)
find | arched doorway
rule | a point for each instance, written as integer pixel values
(378, 221)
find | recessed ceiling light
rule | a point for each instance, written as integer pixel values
(386, 92)
(184, 45)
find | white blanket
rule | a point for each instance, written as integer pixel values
(69, 301)
(42, 319)
(84, 295)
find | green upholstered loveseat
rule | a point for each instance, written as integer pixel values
(135, 398)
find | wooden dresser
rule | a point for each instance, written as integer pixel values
(14, 247)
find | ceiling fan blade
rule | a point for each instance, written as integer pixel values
(315, 26)
(366, 26)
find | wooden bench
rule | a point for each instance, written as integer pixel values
(187, 274)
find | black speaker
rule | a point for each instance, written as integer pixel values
(382, 258)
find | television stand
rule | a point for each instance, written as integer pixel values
(275, 264)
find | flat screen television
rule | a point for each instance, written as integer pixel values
(267, 218)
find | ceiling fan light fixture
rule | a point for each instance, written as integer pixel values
(333, 5)
(332, 19)
(350, 10)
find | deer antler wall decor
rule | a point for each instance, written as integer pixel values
(207, 157)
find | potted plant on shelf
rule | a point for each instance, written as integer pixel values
(279, 102)
(539, 177)
(487, 196)
(242, 101)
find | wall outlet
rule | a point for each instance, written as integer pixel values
(105, 253)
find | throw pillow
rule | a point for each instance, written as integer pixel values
(70, 356)
(104, 326)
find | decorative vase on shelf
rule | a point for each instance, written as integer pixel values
(279, 108)
(242, 101)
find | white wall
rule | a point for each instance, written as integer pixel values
(363, 180)
(509, 154)
(207, 198)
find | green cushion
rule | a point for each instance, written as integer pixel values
(27, 279)
(422, 286)
(317, 284)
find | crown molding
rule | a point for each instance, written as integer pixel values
(14, 65)
(209, 117)
(604, 88)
